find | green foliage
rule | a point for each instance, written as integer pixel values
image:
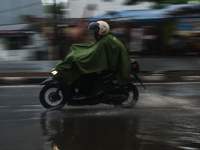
(131, 2)
(12, 44)
(161, 3)
(173, 2)
(52, 9)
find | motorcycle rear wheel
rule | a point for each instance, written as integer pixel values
(51, 96)
(132, 94)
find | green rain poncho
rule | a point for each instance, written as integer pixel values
(106, 54)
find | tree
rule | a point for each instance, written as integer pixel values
(161, 3)
(50, 9)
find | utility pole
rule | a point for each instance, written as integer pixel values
(55, 20)
(55, 47)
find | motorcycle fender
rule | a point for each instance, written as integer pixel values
(49, 81)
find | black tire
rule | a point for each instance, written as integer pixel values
(132, 94)
(47, 97)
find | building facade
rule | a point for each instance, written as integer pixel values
(88, 8)
(18, 39)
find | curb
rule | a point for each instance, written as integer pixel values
(21, 80)
(144, 79)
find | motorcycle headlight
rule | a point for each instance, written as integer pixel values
(53, 72)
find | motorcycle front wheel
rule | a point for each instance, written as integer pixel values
(132, 95)
(51, 96)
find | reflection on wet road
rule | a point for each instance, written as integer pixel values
(112, 128)
(161, 120)
(81, 132)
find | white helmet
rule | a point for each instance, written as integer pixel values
(100, 26)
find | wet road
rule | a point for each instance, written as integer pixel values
(165, 117)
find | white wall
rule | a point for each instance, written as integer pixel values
(78, 7)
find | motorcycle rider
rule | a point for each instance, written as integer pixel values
(85, 61)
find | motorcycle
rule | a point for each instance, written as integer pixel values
(104, 89)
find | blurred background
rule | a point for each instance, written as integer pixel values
(45, 29)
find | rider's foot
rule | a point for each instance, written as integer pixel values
(76, 97)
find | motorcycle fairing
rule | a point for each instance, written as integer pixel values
(50, 81)
(106, 54)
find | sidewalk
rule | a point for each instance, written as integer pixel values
(151, 70)
(38, 77)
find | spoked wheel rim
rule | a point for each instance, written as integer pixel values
(50, 95)
(132, 96)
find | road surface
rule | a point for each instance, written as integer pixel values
(165, 117)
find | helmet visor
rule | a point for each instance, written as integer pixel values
(94, 26)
